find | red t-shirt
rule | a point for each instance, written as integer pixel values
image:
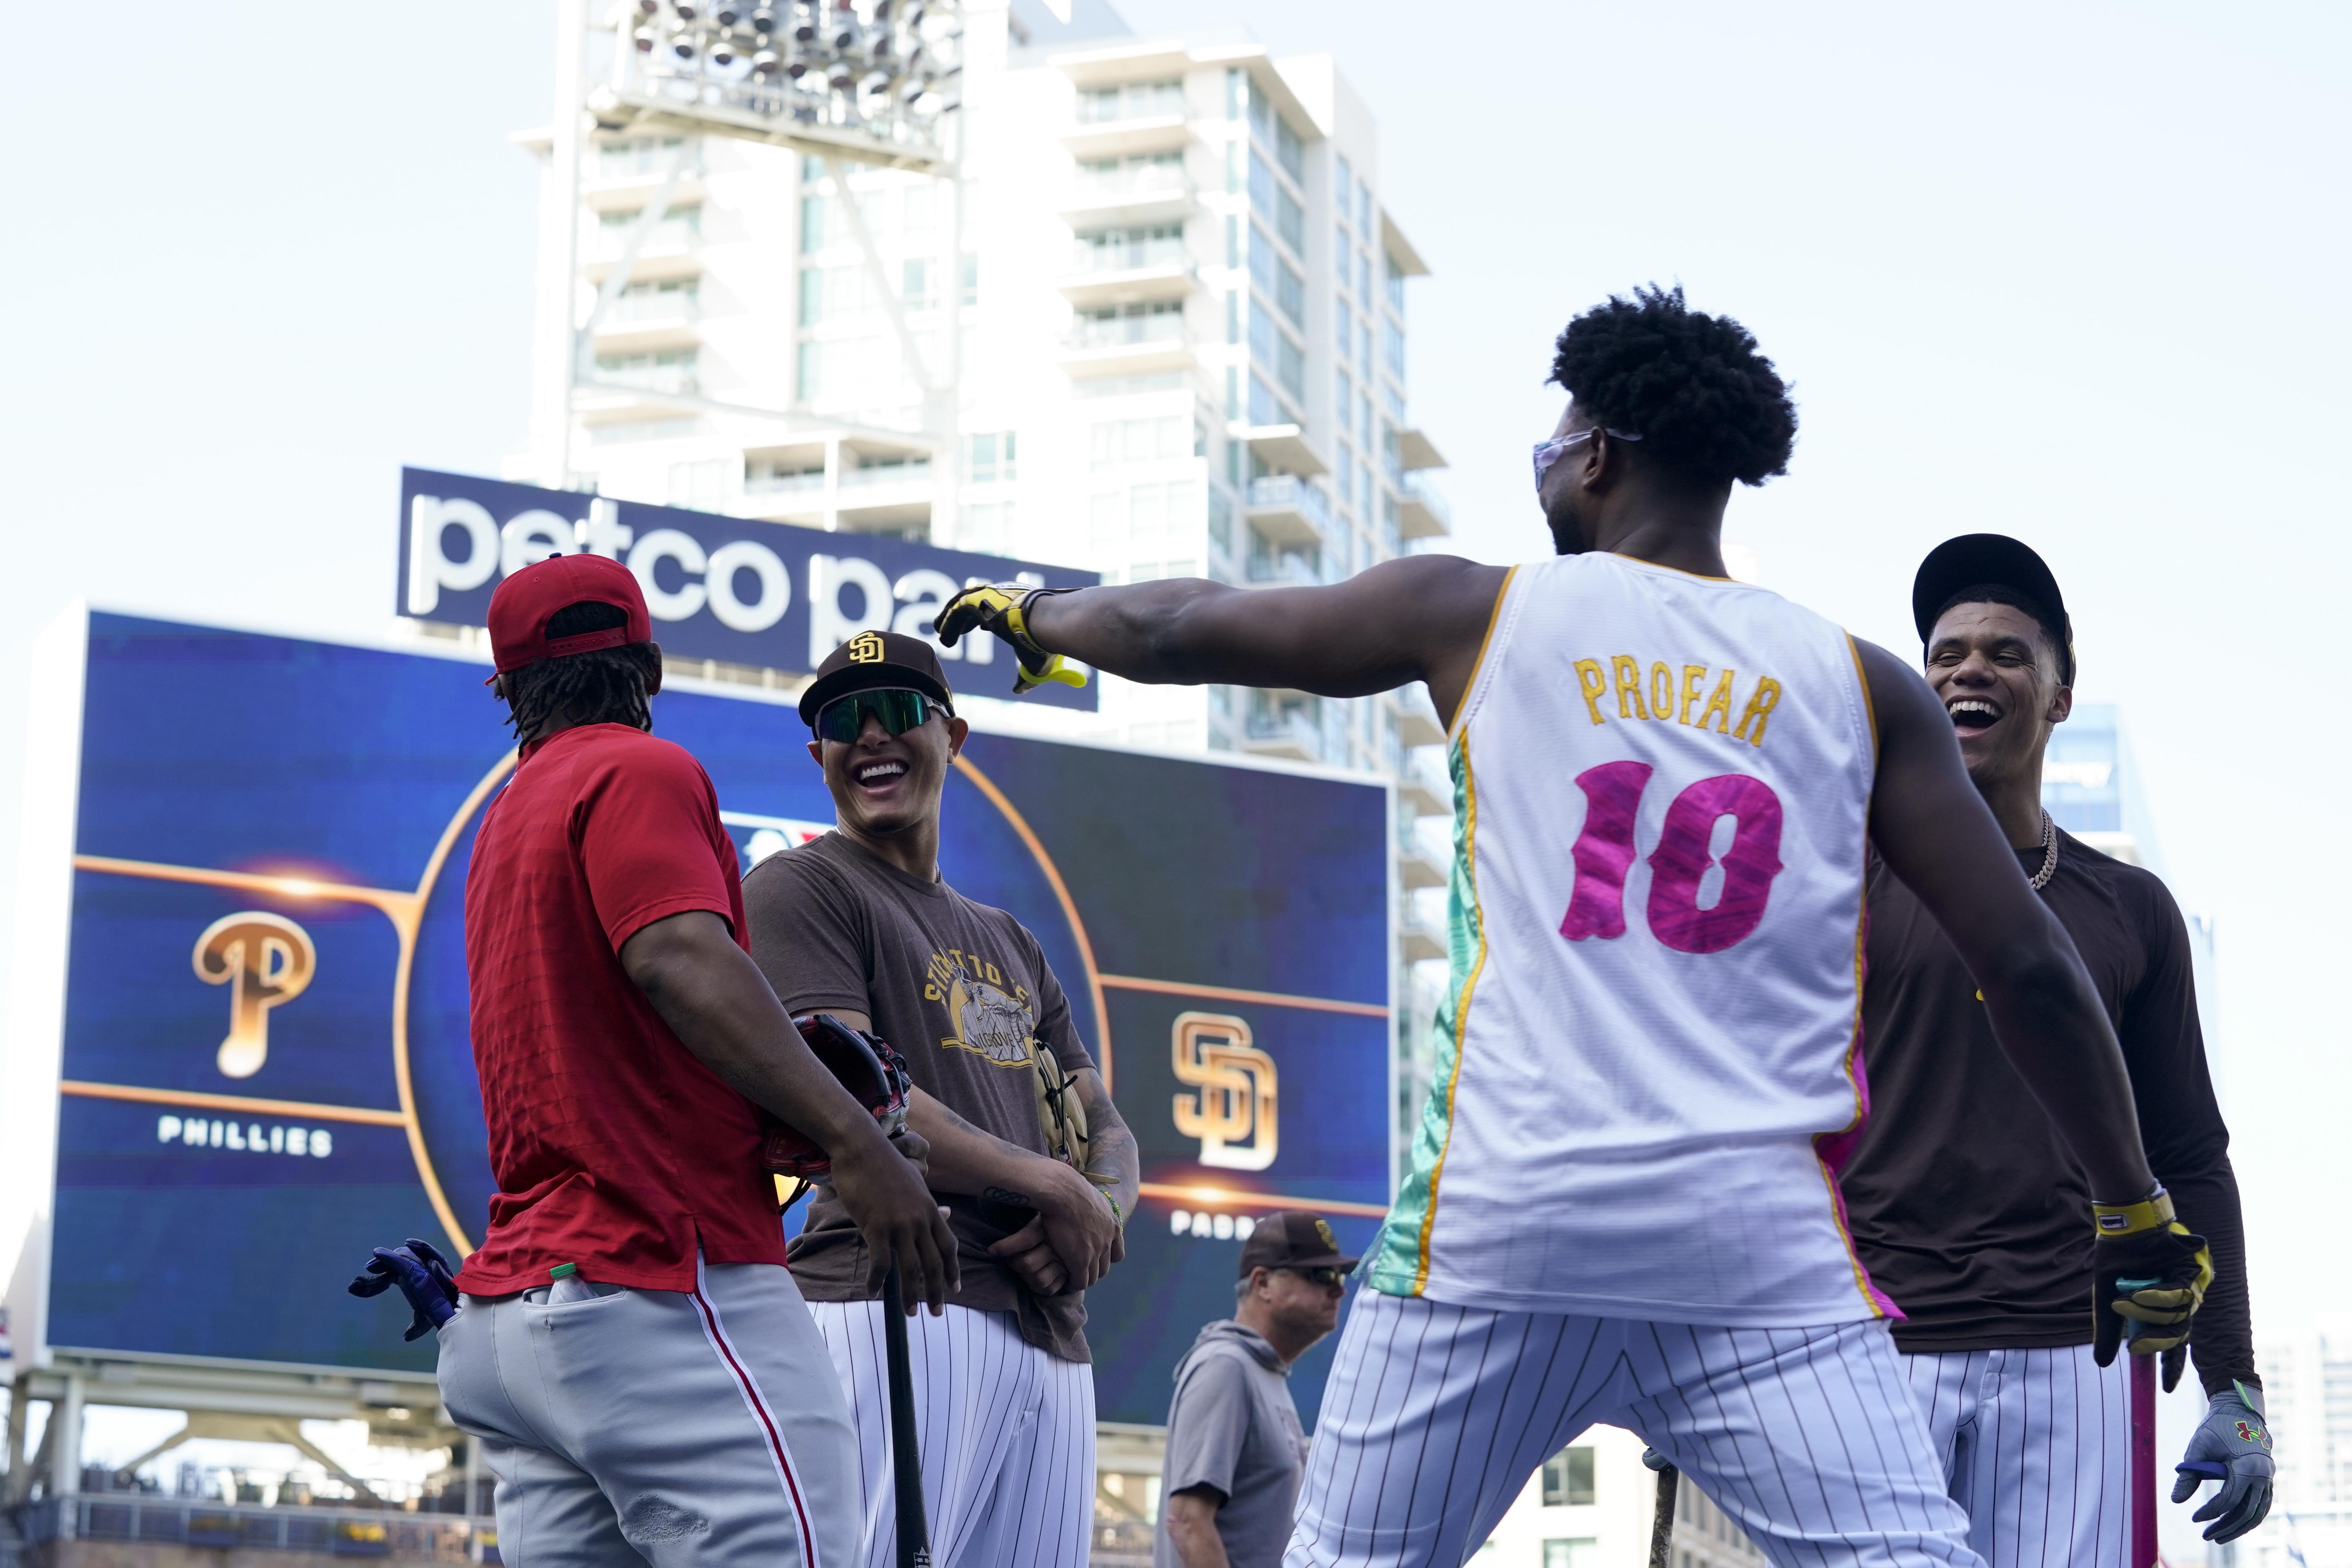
(615, 1148)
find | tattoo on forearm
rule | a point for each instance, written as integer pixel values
(1007, 1196)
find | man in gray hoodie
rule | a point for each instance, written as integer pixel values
(1235, 1450)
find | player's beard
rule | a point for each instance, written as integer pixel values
(1568, 536)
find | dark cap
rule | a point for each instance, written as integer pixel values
(872, 659)
(1293, 1239)
(520, 608)
(1974, 560)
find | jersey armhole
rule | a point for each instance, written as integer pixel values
(1498, 631)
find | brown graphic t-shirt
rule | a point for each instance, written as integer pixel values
(962, 990)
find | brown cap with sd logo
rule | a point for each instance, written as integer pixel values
(872, 660)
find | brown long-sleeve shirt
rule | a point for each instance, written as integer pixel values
(1965, 1206)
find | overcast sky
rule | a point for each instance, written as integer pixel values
(2071, 273)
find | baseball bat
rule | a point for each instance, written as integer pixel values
(906, 1460)
(1662, 1523)
(2142, 1512)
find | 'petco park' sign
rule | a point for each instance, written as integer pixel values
(760, 593)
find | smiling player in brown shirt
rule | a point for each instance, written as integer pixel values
(1962, 1198)
(859, 923)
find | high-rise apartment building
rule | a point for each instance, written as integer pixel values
(2308, 1395)
(1160, 319)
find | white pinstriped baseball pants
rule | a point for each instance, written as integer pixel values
(2036, 1446)
(1435, 1415)
(681, 1428)
(1006, 1432)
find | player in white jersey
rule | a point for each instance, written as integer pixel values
(1623, 1204)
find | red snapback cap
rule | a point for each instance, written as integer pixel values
(520, 608)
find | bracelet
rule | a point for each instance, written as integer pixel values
(1115, 1212)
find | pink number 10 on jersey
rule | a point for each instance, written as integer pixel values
(1604, 855)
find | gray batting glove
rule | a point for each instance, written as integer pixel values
(2233, 1447)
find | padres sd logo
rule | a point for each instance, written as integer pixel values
(866, 648)
(1232, 1109)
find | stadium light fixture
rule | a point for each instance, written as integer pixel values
(868, 80)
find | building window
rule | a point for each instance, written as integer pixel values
(972, 278)
(1125, 249)
(1107, 328)
(1289, 151)
(808, 379)
(915, 284)
(1339, 254)
(1236, 92)
(672, 370)
(1290, 222)
(1262, 409)
(1345, 177)
(1578, 1552)
(813, 216)
(988, 459)
(812, 296)
(1343, 337)
(1290, 293)
(1115, 441)
(1363, 208)
(1395, 283)
(1568, 1481)
(1392, 340)
(1130, 100)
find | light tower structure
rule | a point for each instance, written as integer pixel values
(846, 82)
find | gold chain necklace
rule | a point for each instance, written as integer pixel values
(2048, 853)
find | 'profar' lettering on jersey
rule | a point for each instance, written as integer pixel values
(1648, 1054)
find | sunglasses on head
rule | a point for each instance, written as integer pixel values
(844, 718)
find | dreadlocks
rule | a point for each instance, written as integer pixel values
(603, 687)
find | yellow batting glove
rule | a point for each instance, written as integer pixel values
(1002, 609)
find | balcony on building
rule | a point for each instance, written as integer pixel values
(1283, 729)
(625, 175)
(670, 250)
(885, 490)
(1128, 266)
(1126, 340)
(1119, 119)
(1150, 188)
(651, 316)
(1417, 723)
(1415, 451)
(629, 386)
(1282, 569)
(1423, 787)
(1288, 512)
(1420, 513)
(1419, 937)
(1281, 447)
(784, 484)
(1417, 865)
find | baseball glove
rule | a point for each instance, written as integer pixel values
(874, 1074)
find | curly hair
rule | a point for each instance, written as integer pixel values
(1692, 386)
(606, 686)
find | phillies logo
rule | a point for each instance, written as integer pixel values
(1233, 1109)
(264, 960)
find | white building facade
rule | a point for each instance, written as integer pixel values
(1157, 328)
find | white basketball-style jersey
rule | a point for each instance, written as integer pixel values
(1649, 1053)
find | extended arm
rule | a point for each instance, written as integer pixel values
(1419, 618)
(1937, 834)
(713, 997)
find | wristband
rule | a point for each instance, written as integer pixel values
(2153, 1212)
(1115, 1215)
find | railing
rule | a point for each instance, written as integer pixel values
(1127, 255)
(192, 1521)
(1283, 572)
(1115, 331)
(1137, 100)
(759, 482)
(887, 473)
(656, 305)
(671, 233)
(1287, 724)
(1272, 490)
(1141, 180)
(673, 378)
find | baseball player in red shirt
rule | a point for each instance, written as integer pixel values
(630, 1352)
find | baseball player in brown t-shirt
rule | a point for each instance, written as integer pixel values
(1961, 1196)
(859, 924)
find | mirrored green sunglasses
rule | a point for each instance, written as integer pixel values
(900, 710)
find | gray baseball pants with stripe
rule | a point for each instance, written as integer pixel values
(1006, 1433)
(701, 1428)
(2036, 1446)
(1435, 1415)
